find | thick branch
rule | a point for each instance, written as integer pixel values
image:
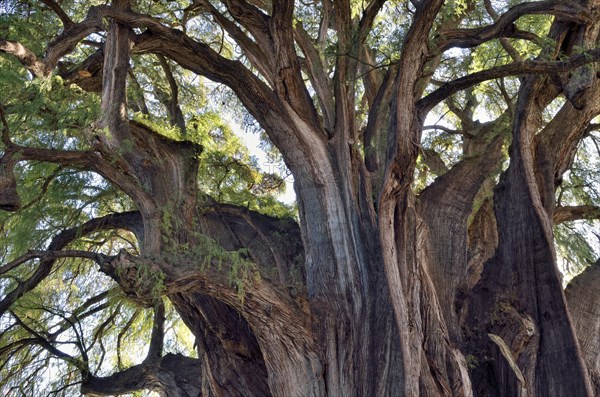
(173, 373)
(584, 306)
(158, 333)
(63, 44)
(514, 69)
(296, 139)
(320, 81)
(433, 160)
(503, 27)
(172, 104)
(289, 85)
(252, 19)
(23, 55)
(573, 213)
(5, 128)
(254, 51)
(114, 80)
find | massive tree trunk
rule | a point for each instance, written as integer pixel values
(377, 290)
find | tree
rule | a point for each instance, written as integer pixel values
(388, 281)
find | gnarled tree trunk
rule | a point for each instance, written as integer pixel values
(376, 290)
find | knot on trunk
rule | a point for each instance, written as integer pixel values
(9, 198)
(140, 278)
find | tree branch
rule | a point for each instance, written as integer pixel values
(367, 19)
(289, 85)
(43, 342)
(5, 128)
(432, 159)
(255, 52)
(445, 129)
(252, 19)
(79, 313)
(62, 15)
(63, 44)
(172, 104)
(509, 48)
(170, 373)
(287, 130)
(126, 220)
(573, 213)
(320, 81)
(503, 27)
(158, 333)
(23, 55)
(51, 255)
(122, 333)
(425, 104)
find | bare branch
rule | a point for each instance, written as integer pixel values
(80, 312)
(252, 19)
(289, 85)
(318, 76)
(63, 44)
(122, 333)
(114, 80)
(592, 127)
(172, 103)
(514, 69)
(444, 128)
(367, 19)
(71, 36)
(509, 48)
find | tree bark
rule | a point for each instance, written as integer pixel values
(584, 306)
(519, 297)
(377, 291)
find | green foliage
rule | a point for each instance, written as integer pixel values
(472, 361)
(48, 113)
(207, 254)
(229, 173)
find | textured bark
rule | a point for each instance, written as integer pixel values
(584, 306)
(9, 197)
(170, 376)
(376, 291)
(519, 298)
(445, 206)
(232, 363)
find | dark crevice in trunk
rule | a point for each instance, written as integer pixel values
(519, 298)
(445, 206)
(232, 363)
